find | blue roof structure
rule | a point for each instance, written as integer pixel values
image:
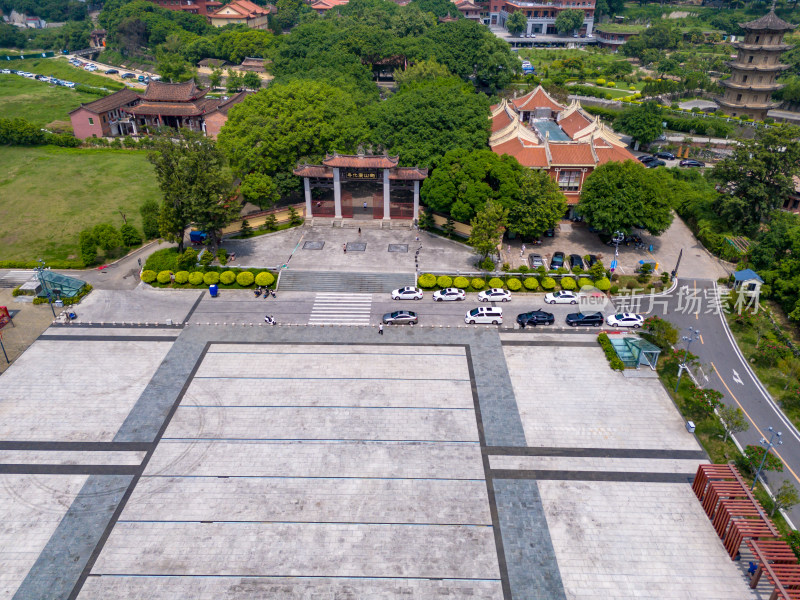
(556, 133)
(747, 274)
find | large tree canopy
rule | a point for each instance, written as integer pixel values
(424, 121)
(464, 181)
(541, 206)
(272, 130)
(620, 195)
(569, 20)
(643, 123)
(757, 178)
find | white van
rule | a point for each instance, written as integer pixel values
(492, 315)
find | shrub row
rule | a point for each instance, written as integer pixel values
(429, 281)
(68, 301)
(196, 278)
(613, 360)
(32, 264)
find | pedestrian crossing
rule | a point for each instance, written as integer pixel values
(335, 308)
(14, 278)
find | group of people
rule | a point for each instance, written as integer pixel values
(266, 291)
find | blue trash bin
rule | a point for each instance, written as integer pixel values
(213, 290)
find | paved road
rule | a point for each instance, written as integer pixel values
(723, 368)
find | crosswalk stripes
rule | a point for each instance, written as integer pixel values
(331, 308)
(14, 278)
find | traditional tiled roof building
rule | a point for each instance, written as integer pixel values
(565, 141)
(242, 12)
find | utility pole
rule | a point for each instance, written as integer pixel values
(768, 445)
(677, 264)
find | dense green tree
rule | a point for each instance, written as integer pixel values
(173, 68)
(488, 227)
(215, 78)
(194, 182)
(149, 212)
(251, 81)
(757, 178)
(107, 237)
(465, 180)
(541, 205)
(260, 189)
(517, 22)
(420, 124)
(609, 7)
(643, 123)
(785, 497)
(440, 8)
(733, 420)
(233, 81)
(234, 46)
(662, 35)
(88, 247)
(617, 196)
(272, 130)
(569, 20)
(410, 21)
(289, 13)
(49, 10)
(423, 71)
(11, 37)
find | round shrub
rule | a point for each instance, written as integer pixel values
(265, 278)
(614, 289)
(548, 283)
(461, 282)
(227, 277)
(197, 278)
(530, 283)
(164, 277)
(603, 284)
(444, 281)
(495, 282)
(583, 282)
(148, 276)
(514, 284)
(245, 278)
(568, 283)
(426, 281)
(600, 81)
(209, 278)
(477, 283)
(181, 277)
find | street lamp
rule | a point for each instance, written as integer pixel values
(768, 445)
(694, 334)
(40, 271)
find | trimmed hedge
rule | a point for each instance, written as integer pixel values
(548, 283)
(514, 284)
(210, 278)
(197, 278)
(583, 282)
(227, 277)
(265, 278)
(531, 283)
(495, 282)
(148, 276)
(603, 284)
(444, 281)
(461, 282)
(568, 283)
(426, 281)
(613, 360)
(245, 278)
(181, 277)
(164, 277)
(477, 283)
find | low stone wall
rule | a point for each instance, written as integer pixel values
(257, 219)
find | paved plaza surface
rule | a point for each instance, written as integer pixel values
(250, 461)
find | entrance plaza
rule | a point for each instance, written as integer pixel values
(292, 462)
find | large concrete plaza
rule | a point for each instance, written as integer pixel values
(299, 461)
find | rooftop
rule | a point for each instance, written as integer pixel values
(159, 91)
(746, 275)
(770, 21)
(123, 97)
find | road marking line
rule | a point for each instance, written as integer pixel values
(761, 433)
(701, 339)
(697, 314)
(736, 377)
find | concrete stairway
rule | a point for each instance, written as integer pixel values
(331, 281)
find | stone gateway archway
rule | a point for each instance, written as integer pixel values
(364, 187)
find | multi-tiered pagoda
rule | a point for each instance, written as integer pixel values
(748, 91)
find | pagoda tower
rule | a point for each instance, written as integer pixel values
(748, 91)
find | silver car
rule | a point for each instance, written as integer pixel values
(407, 293)
(400, 317)
(449, 294)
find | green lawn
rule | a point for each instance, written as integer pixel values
(61, 69)
(48, 195)
(38, 102)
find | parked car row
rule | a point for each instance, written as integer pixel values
(37, 77)
(87, 66)
(652, 161)
(575, 260)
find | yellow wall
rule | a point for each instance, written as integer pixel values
(460, 228)
(281, 214)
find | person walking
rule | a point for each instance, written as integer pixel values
(522, 250)
(344, 248)
(359, 232)
(380, 329)
(365, 206)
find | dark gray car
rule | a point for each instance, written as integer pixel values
(535, 261)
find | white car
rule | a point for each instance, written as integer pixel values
(564, 297)
(407, 293)
(625, 320)
(488, 315)
(449, 294)
(6, 71)
(495, 295)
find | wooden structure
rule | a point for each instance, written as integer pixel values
(739, 518)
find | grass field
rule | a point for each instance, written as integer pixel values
(38, 102)
(48, 195)
(61, 69)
